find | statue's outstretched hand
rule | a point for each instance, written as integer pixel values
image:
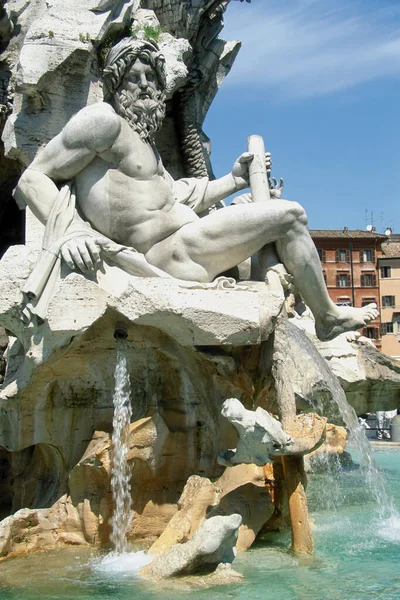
(81, 253)
(240, 170)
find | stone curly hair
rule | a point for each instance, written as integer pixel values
(124, 54)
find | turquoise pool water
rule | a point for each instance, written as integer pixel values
(357, 557)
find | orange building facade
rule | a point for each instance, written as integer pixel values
(389, 270)
(349, 260)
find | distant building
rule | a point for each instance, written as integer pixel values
(389, 270)
(349, 260)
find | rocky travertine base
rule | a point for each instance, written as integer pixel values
(213, 544)
(370, 379)
(244, 490)
(82, 516)
(30, 530)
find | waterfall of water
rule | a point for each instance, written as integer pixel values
(374, 477)
(120, 471)
(328, 495)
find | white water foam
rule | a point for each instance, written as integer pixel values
(126, 562)
(389, 529)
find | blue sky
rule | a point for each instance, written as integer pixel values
(320, 81)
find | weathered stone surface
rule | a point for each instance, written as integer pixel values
(34, 477)
(54, 78)
(212, 544)
(370, 379)
(307, 432)
(83, 516)
(198, 496)
(245, 492)
(314, 385)
(242, 490)
(37, 529)
(193, 317)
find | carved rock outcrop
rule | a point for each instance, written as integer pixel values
(214, 543)
(370, 379)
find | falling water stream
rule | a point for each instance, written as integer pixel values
(120, 470)
(386, 511)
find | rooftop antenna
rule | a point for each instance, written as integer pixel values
(372, 218)
(366, 218)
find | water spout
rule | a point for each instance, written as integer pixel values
(120, 332)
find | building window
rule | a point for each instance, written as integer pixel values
(388, 301)
(386, 272)
(321, 254)
(386, 328)
(368, 280)
(366, 300)
(342, 256)
(342, 280)
(371, 333)
(367, 256)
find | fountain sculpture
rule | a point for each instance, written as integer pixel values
(121, 194)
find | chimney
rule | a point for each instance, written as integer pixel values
(373, 229)
(388, 231)
(345, 230)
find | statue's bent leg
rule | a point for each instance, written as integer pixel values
(205, 248)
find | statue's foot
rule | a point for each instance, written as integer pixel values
(344, 318)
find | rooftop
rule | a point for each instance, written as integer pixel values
(347, 234)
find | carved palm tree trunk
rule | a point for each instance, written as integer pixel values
(293, 466)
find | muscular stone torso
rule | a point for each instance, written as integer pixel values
(125, 196)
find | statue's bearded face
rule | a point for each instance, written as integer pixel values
(139, 99)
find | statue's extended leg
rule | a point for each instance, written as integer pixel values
(203, 249)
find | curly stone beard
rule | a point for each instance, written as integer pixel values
(144, 115)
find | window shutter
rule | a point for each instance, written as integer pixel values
(361, 256)
(347, 256)
(337, 256)
(373, 255)
(362, 280)
(323, 255)
(373, 277)
(337, 280)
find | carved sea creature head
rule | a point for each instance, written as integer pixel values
(145, 115)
